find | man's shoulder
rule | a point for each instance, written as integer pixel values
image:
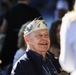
(54, 60)
(22, 63)
(23, 58)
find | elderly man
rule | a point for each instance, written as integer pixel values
(36, 60)
(68, 42)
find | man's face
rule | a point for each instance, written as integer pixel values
(39, 40)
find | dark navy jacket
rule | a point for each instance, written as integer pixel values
(31, 64)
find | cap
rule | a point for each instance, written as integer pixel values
(35, 25)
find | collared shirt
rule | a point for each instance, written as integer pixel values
(32, 63)
(47, 66)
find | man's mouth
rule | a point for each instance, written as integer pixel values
(43, 43)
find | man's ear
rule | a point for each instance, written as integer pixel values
(26, 38)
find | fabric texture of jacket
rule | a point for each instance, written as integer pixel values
(31, 64)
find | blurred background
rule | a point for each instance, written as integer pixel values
(50, 11)
(47, 8)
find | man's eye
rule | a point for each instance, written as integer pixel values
(46, 35)
(40, 35)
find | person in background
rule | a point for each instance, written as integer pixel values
(54, 33)
(36, 60)
(15, 17)
(67, 57)
(3, 8)
(62, 7)
(21, 44)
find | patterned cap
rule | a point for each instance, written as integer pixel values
(35, 25)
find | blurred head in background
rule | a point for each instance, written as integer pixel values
(61, 8)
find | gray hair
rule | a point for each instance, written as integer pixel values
(21, 41)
